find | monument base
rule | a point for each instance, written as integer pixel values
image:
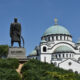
(18, 53)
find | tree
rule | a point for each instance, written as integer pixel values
(9, 63)
(3, 50)
(36, 70)
(9, 74)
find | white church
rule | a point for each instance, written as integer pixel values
(56, 47)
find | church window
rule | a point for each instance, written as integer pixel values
(70, 55)
(70, 63)
(56, 56)
(53, 38)
(56, 37)
(64, 37)
(76, 72)
(44, 59)
(44, 49)
(67, 37)
(59, 56)
(67, 55)
(48, 38)
(63, 55)
(60, 37)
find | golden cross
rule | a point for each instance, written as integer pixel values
(56, 21)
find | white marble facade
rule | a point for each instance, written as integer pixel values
(57, 47)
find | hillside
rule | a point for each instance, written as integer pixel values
(34, 70)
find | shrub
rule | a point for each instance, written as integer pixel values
(9, 74)
(36, 70)
(3, 50)
(9, 63)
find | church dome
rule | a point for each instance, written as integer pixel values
(42, 41)
(63, 49)
(78, 42)
(56, 33)
(56, 29)
(33, 53)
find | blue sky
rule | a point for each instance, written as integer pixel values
(36, 16)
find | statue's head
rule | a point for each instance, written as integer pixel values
(15, 20)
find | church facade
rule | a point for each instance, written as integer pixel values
(57, 47)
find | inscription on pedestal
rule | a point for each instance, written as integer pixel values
(18, 53)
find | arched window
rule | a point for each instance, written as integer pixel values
(53, 38)
(44, 49)
(76, 72)
(63, 55)
(69, 63)
(67, 55)
(60, 37)
(48, 38)
(56, 37)
(59, 56)
(56, 55)
(70, 55)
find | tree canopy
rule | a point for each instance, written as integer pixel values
(3, 50)
(36, 70)
(8, 69)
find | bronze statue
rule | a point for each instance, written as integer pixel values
(15, 32)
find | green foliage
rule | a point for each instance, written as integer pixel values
(36, 70)
(3, 50)
(8, 69)
(8, 66)
(9, 63)
(9, 74)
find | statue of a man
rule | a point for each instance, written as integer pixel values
(15, 32)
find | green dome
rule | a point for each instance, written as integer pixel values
(33, 53)
(63, 49)
(42, 41)
(56, 29)
(78, 42)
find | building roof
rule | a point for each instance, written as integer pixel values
(63, 49)
(56, 29)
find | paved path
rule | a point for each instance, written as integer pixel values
(19, 69)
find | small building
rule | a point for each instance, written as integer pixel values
(57, 47)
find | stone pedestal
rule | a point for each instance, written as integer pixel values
(18, 53)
